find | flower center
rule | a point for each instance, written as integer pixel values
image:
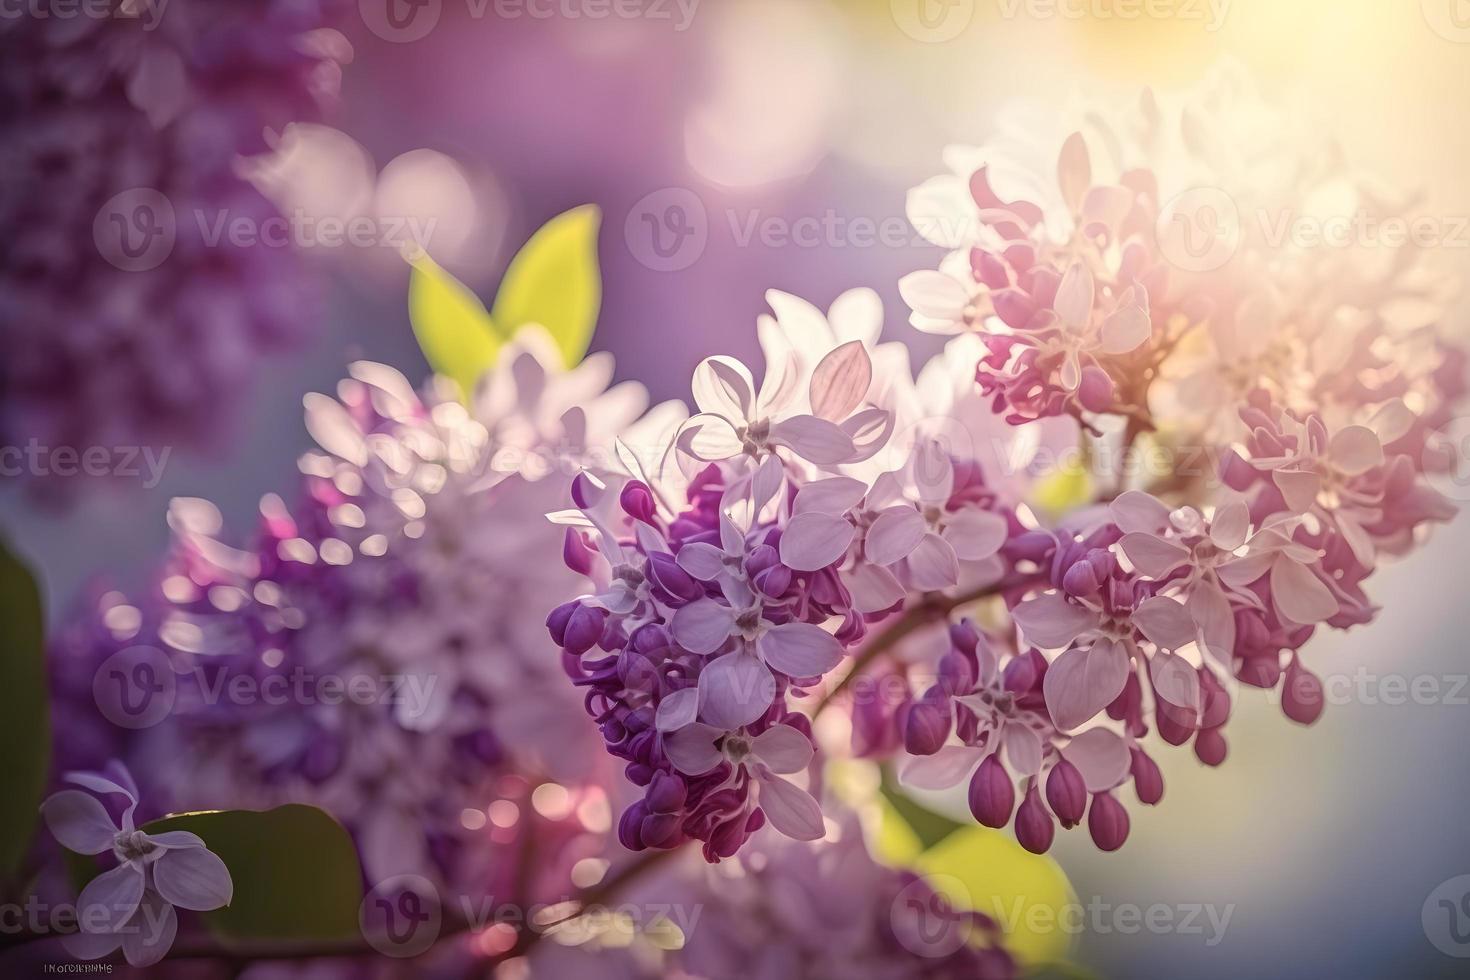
(736, 748)
(132, 845)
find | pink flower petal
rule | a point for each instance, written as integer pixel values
(894, 534)
(800, 649)
(840, 382)
(692, 748)
(1051, 621)
(1230, 526)
(783, 749)
(1126, 330)
(792, 811)
(710, 438)
(813, 439)
(1023, 748)
(812, 541)
(932, 565)
(110, 899)
(1137, 512)
(1355, 449)
(1299, 488)
(1084, 681)
(1216, 621)
(1165, 622)
(1101, 757)
(1299, 595)
(835, 496)
(735, 690)
(1153, 556)
(723, 386)
(873, 588)
(702, 626)
(934, 295)
(677, 709)
(1175, 680)
(702, 560)
(1075, 296)
(948, 767)
(193, 878)
(975, 534)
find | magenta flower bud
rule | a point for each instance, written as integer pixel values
(988, 269)
(575, 553)
(1107, 821)
(584, 491)
(1014, 307)
(774, 581)
(1216, 700)
(660, 830)
(667, 575)
(630, 826)
(1301, 694)
(583, 628)
(964, 637)
(1176, 725)
(1147, 779)
(1097, 390)
(992, 795)
(956, 673)
(637, 501)
(1023, 672)
(1067, 793)
(1034, 827)
(666, 793)
(928, 723)
(1082, 579)
(556, 622)
(1210, 747)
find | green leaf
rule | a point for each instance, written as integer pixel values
(554, 281)
(929, 827)
(458, 338)
(295, 871)
(25, 730)
(1026, 894)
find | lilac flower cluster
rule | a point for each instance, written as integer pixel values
(106, 119)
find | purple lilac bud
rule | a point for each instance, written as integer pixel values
(666, 793)
(1147, 779)
(992, 795)
(929, 723)
(1067, 793)
(1107, 821)
(1034, 827)
(1210, 747)
(1301, 694)
(667, 575)
(637, 501)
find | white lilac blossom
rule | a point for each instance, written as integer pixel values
(131, 905)
(402, 574)
(119, 137)
(769, 550)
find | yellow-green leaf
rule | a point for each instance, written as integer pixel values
(554, 280)
(1027, 894)
(459, 339)
(1062, 490)
(24, 726)
(294, 869)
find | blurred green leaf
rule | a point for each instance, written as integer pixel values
(459, 339)
(1062, 491)
(554, 280)
(25, 732)
(929, 827)
(295, 871)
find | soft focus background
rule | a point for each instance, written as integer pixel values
(740, 145)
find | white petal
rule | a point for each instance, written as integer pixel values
(1136, 511)
(193, 878)
(931, 472)
(1230, 525)
(702, 560)
(800, 649)
(857, 315)
(79, 821)
(934, 294)
(894, 535)
(1355, 449)
(1153, 556)
(783, 749)
(932, 565)
(1126, 330)
(677, 710)
(692, 748)
(975, 534)
(1392, 422)
(792, 811)
(840, 382)
(1084, 681)
(1101, 757)
(110, 899)
(1075, 295)
(723, 386)
(710, 438)
(334, 430)
(1165, 622)
(702, 626)
(1051, 621)
(945, 768)
(837, 496)
(813, 540)
(1298, 487)
(735, 690)
(813, 439)
(1299, 595)
(936, 209)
